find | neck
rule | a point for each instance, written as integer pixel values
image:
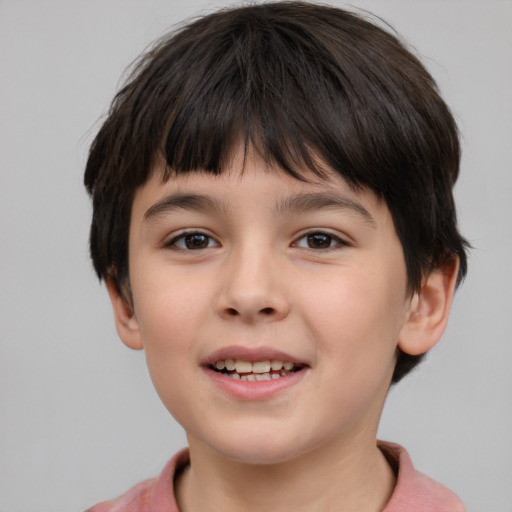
(336, 477)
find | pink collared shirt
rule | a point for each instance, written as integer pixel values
(414, 491)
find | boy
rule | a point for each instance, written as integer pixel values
(274, 221)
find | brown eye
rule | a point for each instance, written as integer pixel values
(194, 241)
(319, 241)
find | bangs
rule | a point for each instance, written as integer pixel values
(257, 97)
(265, 83)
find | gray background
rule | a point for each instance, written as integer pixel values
(79, 421)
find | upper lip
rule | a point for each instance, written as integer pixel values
(251, 354)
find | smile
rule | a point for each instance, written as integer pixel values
(240, 369)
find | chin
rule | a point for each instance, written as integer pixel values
(258, 446)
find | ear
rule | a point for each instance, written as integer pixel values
(127, 325)
(429, 310)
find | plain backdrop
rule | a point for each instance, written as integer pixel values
(79, 420)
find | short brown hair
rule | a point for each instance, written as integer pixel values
(294, 81)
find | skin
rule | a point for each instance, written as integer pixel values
(257, 278)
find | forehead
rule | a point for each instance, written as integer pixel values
(249, 181)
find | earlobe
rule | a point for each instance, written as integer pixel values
(429, 309)
(126, 322)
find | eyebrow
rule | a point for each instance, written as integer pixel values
(175, 202)
(323, 201)
(294, 205)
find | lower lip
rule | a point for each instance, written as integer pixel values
(258, 390)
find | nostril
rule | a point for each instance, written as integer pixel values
(267, 311)
(232, 312)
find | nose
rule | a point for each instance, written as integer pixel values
(252, 288)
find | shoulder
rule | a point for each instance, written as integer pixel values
(414, 490)
(151, 495)
(134, 500)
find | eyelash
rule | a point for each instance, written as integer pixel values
(328, 236)
(174, 242)
(333, 241)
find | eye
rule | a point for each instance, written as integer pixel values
(193, 241)
(319, 240)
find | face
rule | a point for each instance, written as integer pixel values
(269, 308)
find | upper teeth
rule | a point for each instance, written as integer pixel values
(241, 366)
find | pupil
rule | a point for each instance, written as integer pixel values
(319, 241)
(196, 241)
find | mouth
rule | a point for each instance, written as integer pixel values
(239, 369)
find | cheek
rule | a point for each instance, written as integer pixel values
(357, 320)
(169, 311)
(168, 322)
